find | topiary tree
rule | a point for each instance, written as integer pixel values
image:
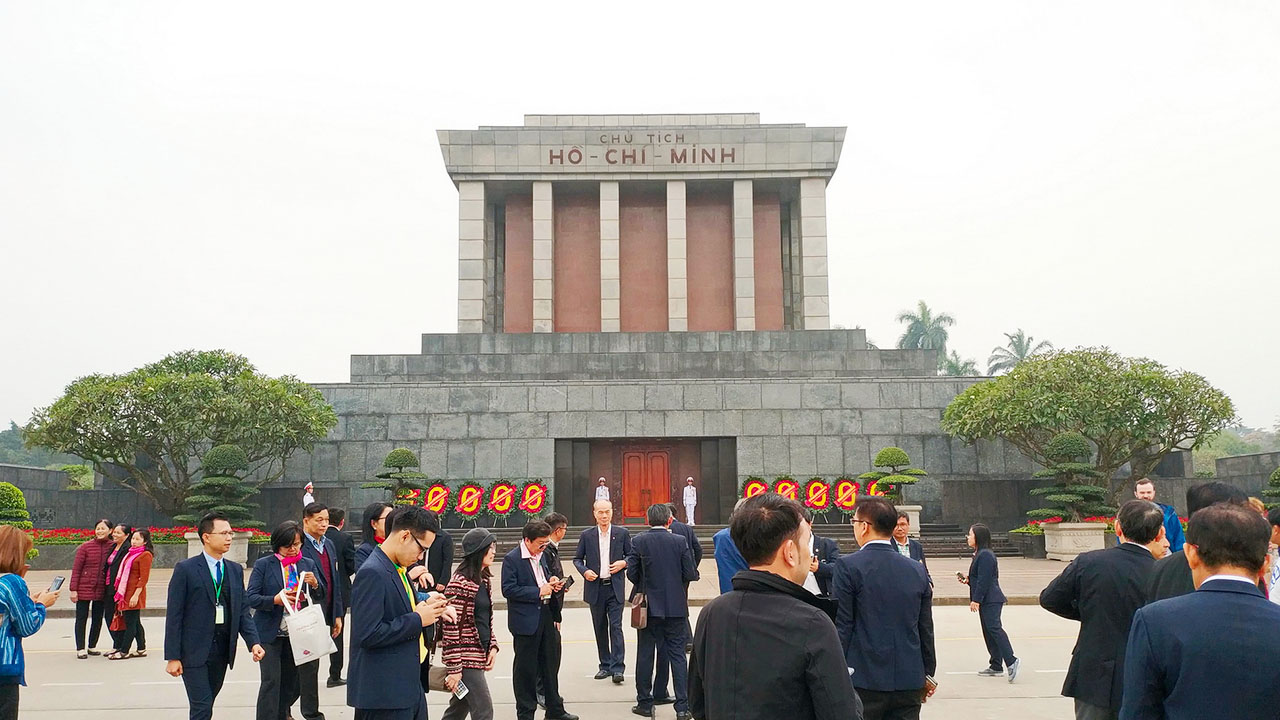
(890, 482)
(13, 511)
(1273, 488)
(400, 482)
(223, 489)
(1074, 496)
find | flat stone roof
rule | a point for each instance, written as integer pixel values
(627, 147)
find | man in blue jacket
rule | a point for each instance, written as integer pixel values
(1209, 654)
(729, 560)
(1144, 489)
(389, 626)
(206, 610)
(884, 617)
(661, 566)
(528, 584)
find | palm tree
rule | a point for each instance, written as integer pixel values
(925, 330)
(953, 365)
(1020, 347)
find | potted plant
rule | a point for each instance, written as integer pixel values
(891, 482)
(1029, 539)
(1072, 499)
(1272, 490)
(222, 489)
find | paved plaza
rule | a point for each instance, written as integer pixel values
(60, 687)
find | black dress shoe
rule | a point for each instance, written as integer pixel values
(618, 679)
(335, 682)
(663, 700)
(642, 712)
(542, 701)
(564, 715)
(602, 674)
(684, 716)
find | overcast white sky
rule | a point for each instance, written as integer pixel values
(264, 177)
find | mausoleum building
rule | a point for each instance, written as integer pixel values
(644, 298)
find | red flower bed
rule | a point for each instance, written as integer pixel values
(159, 535)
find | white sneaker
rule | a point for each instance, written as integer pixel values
(1013, 670)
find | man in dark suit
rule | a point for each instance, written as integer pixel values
(1171, 576)
(559, 524)
(206, 610)
(440, 560)
(603, 570)
(906, 546)
(320, 550)
(1103, 589)
(825, 553)
(346, 556)
(528, 584)
(686, 532)
(1209, 654)
(884, 617)
(388, 627)
(661, 566)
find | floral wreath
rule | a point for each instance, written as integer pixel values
(817, 495)
(533, 498)
(470, 500)
(786, 486)
(845, 494)
(754, 486)
(437, 498)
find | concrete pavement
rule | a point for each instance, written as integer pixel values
(60, 687)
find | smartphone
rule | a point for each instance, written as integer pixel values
(56, 585)
(959, 575)
(462, 690)
(569, 581)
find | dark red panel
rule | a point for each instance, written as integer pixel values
(709, 228)
(517, 283)
(577, 260)
(642, 229)
(768, 261)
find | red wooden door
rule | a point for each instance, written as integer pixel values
(646, 479)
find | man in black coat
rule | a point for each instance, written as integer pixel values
(440, 559)
(1171, 576)
(661, 566)
(559, 524)
(884, 617)
(686, 532)
(765, 649)
(823, 566)
(1210, 653)
(1103, 589)
(346, 557)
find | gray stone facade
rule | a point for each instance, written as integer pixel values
(484, 421)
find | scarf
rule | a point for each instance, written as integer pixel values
(129, 557)
(287, 561)
(378, 538)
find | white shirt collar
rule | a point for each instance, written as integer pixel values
(525, 553)
(873, 542)
(1237, 578)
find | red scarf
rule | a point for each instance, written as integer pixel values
(290, 560)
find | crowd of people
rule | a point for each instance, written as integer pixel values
(846, 636)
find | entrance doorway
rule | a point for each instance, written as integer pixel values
(646, 479)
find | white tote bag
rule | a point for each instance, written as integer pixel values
(308, 633)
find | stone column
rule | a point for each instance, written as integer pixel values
(677, 259)
(744, 263)
(813, 251)
(610, 274)
(471, 257)
(543, 259)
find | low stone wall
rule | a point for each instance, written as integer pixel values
(1249, 472)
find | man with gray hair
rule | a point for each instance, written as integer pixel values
(1103, 589)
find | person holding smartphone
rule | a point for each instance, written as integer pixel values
(470, 647)
(277, 580)
(21, 615)
(986, 599)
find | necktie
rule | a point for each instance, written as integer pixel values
(422, 641)
(219, 575)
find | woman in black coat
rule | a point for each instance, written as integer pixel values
(986, 599)
(275, 580)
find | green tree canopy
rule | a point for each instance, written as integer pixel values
(1073, 496)
(396, 479)
(1020, 347)
(13, 451)
(223, 489)
(891, 481)
(1132, 410)
(954, 365)
(925, 329)
(147, 429)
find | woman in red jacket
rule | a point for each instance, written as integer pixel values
(131, 593)
(89, 588)
(469, 646)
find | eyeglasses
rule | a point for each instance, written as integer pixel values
(224, 533)
(864, 522)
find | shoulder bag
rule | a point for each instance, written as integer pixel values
(640, 603)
